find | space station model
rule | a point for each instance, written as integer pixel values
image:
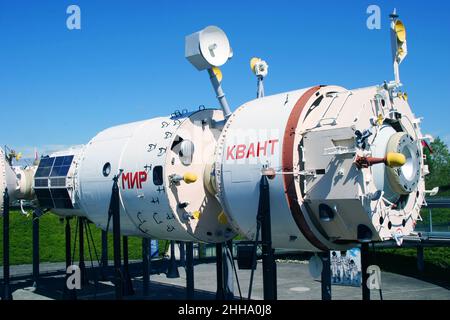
(343, 165)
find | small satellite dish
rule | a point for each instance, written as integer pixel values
(208, 48)
(315, 266)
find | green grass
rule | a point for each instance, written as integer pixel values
(52, 240)
(439, 257)
(404, 261)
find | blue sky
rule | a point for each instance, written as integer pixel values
(60, 87)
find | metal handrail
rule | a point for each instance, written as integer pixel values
(441, 203)
(436, 203)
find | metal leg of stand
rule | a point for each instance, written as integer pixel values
(190, 270)
(269, 264)
(224, 269)
(326, 275)
(220, 294)
(172, 271)
(114, 211)
(364, 266)
(82, 265)
(420, 259)
(128, 289)
(104, 257)
(182, 254)
(68, 294)
(145, 266)
(7, 295)
(228, 271)
(35, 250)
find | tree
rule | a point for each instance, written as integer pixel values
(438, 164)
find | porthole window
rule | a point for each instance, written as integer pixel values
(158, 175)
(106, 169)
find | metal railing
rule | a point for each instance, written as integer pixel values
(440, 228)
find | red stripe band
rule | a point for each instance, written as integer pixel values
(287, 161)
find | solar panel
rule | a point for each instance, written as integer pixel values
(41, 183)
(68, 160)
(61, 166)
(50, 182)
(44, 198)
(45, 167)
(46, 162)
(58, 161)
(61, 198)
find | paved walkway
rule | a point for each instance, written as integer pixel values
(294, 283)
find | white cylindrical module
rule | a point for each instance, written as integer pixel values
(251, 139)
(25, 177)
(18, 181)
(161, 163)
(317, 144)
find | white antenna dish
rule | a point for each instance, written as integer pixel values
(208, 48)
(214, 46)
(315, 266)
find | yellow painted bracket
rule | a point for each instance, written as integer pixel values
(222, 218)
(196, 214)
(189, 177)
